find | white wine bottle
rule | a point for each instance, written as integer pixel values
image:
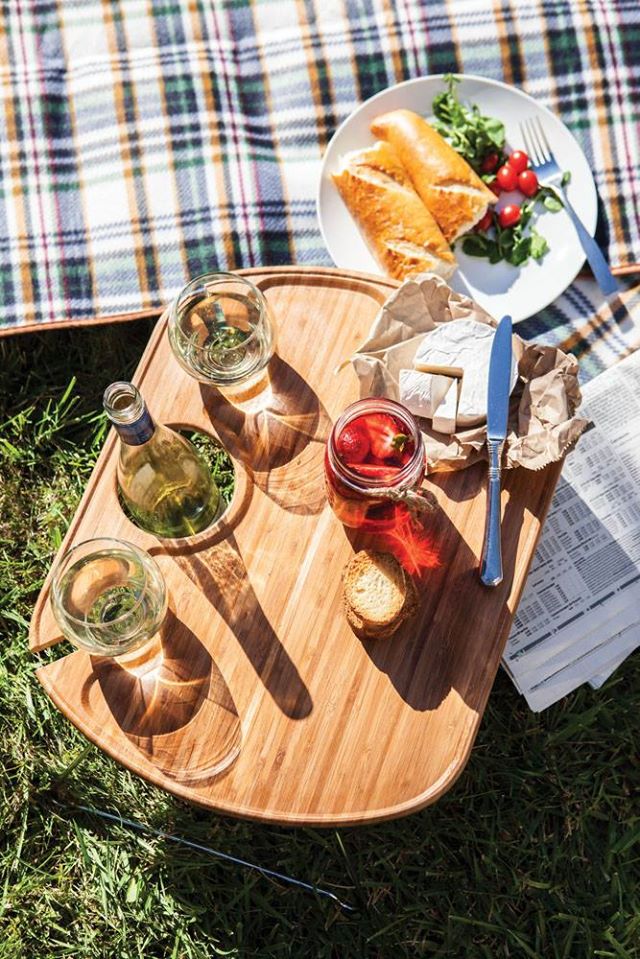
(164, 482)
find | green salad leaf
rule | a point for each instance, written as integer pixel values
(539, 245)
(552, 203)
(476, 244)
(512, 243)
(474, 136)
(470, 133)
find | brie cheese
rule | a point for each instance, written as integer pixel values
(464, 344)
(416, 392)
(444, 416)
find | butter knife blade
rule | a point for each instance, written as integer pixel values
(497, 417)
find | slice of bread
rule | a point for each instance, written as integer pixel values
(378, 594)
(453, 193)
(401, 233)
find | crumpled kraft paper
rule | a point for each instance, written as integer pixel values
(542, 425)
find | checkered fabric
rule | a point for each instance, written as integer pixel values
(145, 141)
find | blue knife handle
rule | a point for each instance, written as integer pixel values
(491, 565)
(604, 277)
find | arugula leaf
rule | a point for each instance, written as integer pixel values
(470, 133)
(552, 203)
(508, 244)
(475, 244)
(506, 239)
(544, 194)
(526, 211)
(521, 251)
(494, 130)
(538, 245)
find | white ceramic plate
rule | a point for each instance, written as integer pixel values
(499, 288)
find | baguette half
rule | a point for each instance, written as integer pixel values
(398, 228)
(453, 192)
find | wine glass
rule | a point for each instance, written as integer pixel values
(108, 596)
(220, 329)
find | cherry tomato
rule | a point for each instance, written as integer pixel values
(518, 161)
(528, 182)
(507, 177)
(490, 162)
(483, 225)
(509, 215)
(494, 186)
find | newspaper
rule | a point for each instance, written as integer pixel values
(579, 616)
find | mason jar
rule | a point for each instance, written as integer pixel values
(359, 501)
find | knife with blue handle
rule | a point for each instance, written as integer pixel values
(497, 415)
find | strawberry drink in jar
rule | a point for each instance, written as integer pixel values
(374, 460)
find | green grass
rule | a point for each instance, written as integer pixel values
(535, 852)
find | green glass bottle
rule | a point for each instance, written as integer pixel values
(165, 483)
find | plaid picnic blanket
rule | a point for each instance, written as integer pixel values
(145, 141)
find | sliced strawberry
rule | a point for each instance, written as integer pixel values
(353, 444)
(375, 471)
(385, 435)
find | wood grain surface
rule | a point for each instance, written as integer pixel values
(259, 701)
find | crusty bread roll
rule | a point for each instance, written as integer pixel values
(401, 233)
(378, 594)
(453, 192)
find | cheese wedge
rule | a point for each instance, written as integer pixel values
(465, 345)
(415, 392)
(444, 417)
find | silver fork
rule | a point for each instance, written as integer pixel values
(546, 168)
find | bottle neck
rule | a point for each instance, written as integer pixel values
(138, 433)
(128, 412)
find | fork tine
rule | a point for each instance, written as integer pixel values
(531, 144)
(540, 150)
(543, 139)
(528, 144)
(536, 144)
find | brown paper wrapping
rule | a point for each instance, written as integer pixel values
(542, 425)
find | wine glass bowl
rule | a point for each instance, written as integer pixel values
(220, 329)
(108, 596)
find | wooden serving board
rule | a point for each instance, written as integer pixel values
(264, 703)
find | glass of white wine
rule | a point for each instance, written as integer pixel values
(108, 596)
(221, 330)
